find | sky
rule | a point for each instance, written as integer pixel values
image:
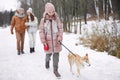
(9, 5)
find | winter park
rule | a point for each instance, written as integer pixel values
(60, 40)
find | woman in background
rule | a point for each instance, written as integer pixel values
(32, 29)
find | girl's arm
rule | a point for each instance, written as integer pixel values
(60, 29)
(32, 23)
(42, 31)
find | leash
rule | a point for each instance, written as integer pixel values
(67, 48)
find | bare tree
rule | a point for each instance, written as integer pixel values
(97, 9)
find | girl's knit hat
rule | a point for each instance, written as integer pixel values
(30, 10)
(49, 7)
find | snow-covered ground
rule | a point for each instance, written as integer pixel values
(31, 66)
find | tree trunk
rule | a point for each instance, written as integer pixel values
(85, 11)
(97, 9)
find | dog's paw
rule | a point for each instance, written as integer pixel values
(78, 76)
(76, 44)
(72, 73)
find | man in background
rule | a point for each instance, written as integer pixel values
(18, 22)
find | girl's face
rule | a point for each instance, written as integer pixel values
(51, 13)
(28, 13)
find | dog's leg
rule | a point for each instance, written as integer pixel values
(78, 68)
(70, 63)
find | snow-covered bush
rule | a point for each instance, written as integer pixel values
(102, 36)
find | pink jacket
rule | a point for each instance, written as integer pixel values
(46, 36)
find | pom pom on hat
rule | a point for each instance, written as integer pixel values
(30, 10)
(49, 7)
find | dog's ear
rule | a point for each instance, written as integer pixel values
(86, 54)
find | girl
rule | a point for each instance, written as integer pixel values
(32, 29)
(51, 33)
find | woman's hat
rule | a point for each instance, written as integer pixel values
(30, 10)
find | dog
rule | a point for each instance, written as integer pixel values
(78, 60)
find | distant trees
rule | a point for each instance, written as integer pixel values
(75, 10)
(71, 11)
(5, 18)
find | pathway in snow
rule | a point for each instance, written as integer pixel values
(31, 66)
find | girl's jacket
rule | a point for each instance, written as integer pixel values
(32, 25)
(51, 32)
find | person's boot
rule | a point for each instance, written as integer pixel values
(47, 65)
(57, 74)
(31, 50)
(22, 52)
(18, 52)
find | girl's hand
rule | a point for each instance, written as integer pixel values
(59, 38)
(45, 44)
(26, 24)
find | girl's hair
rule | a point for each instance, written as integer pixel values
(54, 17)
(31, 16)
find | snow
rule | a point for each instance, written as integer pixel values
(32, 66)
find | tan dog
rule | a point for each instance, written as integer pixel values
(78, 60)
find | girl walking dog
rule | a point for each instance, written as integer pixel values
(51, 32)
